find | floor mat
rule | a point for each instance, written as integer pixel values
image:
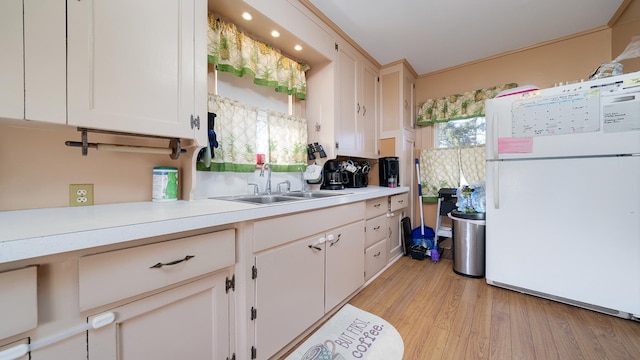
(352, 333)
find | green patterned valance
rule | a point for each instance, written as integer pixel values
(458, 106)
(233, 51)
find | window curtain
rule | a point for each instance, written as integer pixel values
(287, 142)
(439, 168)
(444, 167)
(472, 163)
(233, 51)
(457, 106)
(235, 129)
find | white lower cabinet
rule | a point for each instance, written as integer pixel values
(190, 321)
(344, 264)
(302, 272)
(376, 234)
(395, 240)
(171, 299)
(375, 258)
(397, 205)
(289, 294)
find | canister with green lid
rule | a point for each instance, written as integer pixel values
(165, 183)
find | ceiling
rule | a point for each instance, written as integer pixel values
(436, 34)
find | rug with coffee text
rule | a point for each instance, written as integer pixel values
(352, 333)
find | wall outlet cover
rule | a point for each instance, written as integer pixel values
(80, 194)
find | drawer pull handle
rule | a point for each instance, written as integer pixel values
(376, 255)
(376, 228)
(331, 242)
(159, 265)
(315, 248)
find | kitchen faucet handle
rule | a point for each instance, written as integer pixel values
(256, 189)
(286, 182)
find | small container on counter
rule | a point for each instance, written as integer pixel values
(165, 184)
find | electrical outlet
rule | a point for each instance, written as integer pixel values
(80, 194)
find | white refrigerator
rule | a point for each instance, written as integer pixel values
(563, 194)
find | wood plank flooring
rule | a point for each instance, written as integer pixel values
(442, 315)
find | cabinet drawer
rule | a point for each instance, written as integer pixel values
(375, 258)
(399, 201)
(116, 275)
(376, 207)
(281, 230)
(18, 301)
(375, 230)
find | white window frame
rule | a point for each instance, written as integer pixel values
(438, 128)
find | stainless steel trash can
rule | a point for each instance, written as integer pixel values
(468, 243)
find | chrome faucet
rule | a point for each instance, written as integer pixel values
(268, 167)
(286, 182)
(302, 180)
(255, 188)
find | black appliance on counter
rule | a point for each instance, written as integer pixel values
(389, 171)
(334, 177)
(357, 174)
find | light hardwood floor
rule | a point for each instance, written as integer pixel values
(442, 315)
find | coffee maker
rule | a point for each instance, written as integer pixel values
(334, 177)
(389, 171)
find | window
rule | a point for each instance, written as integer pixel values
(457, 133)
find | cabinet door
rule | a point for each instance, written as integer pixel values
(187, 322)
(289, 293)
(375, 259)
(12, 60)
(395, 240)
(344, 263)
(132, 65)
(348, 105)
(45, 61)
(408, 101)
(368, 116)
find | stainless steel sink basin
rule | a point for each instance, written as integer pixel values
(312, 194)
(278, 198)
(260, 199)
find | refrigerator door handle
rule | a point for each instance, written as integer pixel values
(496, 133)
(496, 184)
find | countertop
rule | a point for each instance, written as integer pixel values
(28, 234)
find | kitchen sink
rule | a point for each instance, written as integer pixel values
(311, 194)
(280, 197)
(260, 199)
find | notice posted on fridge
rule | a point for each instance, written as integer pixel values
(621, 112)
(507, 145)
(569, 113)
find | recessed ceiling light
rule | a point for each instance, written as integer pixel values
(247, 16)
(275, 33)
(297, 47)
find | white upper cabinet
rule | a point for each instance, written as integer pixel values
(33, 63)
(11, 62)
(138, 66)
(356, 98)
(398, 99)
